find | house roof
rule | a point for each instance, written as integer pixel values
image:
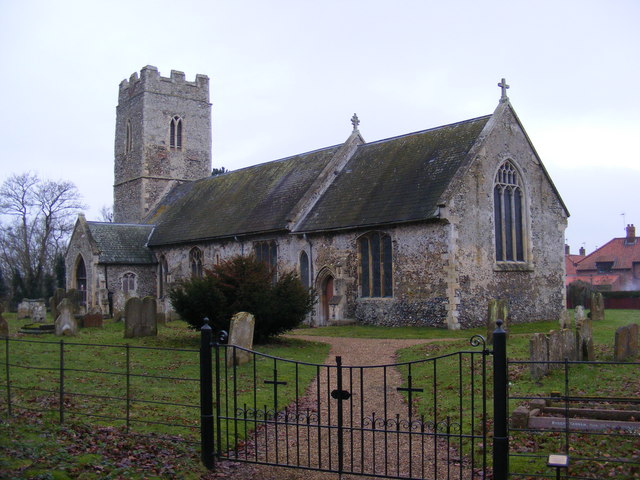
(571, 263)
(121, 243)
(598, 280)
(396, 180)
(622, 252)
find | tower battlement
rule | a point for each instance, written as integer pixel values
(150, 80)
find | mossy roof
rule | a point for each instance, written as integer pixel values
(121, 243)
(396, 180)
(251, 200)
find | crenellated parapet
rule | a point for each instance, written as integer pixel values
(176, 84)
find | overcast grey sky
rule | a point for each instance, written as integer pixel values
(286, 77)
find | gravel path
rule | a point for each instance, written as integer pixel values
(373, 392)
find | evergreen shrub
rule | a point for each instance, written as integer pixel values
(243, 284)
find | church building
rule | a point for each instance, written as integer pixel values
(420, 229)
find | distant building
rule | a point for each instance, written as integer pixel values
(613, 267)
(571, 263)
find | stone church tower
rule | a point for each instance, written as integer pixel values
(163, 138)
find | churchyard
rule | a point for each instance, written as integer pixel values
(162, 406)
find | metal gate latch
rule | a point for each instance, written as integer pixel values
(341, 394)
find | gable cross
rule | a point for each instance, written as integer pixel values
(355, 122)
(503, 85)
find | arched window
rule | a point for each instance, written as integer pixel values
(163, 271)
(175, 133)
(508, 209)
(195, 261)
(81, 280)
(304, 269)
(128, 143)
(129, 283)
(266, 252)
(376, 265)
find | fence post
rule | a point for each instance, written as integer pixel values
(8, 375)
(500, 435)
(61, 396)
(206, 397)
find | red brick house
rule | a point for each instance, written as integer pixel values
(613, 267)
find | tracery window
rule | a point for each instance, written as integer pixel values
(175, 133)
(376, 265)
(267, 253)
(304, 269)
(129, 283)
(81, 280)
(195, 261)
(508, 209)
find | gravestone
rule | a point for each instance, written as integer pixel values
(538, 355)
(24, 310)
(66, 323)
(38, 311)
(556, 348)
(93, 319)
(565, 319)
(74, 297)
(625, 345)
(497, 311)
(55, 300)
(140, 317)
(584, 340)
(4, 326)
(569, 344)
(241, 335)
(597, 306)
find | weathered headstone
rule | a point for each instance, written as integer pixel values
(565, 319)
(569, 344)
(4, 326)
(66, 323)
(497, 311)
(38, 311)
(597, 306)
(74, 297)
(140, 318)
(556, 348)
(625, 345)
(24, 310)
(55, 300)
(241, 335)
(538, 355)
(93, 319)
(584, 340)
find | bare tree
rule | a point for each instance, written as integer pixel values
(106, 214)
(37, 217)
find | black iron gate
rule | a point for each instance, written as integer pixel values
(347, 419)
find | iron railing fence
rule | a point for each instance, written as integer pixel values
(145, 389)
(588, 411)
(349, 419)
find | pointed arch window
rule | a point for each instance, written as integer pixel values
(129, 283)
(81, 280)
(163, 272)
(508, 209)
(304, 269)
(376, 265)
(195, 261)
(128, 143)
(175, 133)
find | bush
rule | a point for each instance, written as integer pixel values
(243, 284)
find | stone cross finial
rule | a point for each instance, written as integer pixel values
(503, 85)
(355, 122)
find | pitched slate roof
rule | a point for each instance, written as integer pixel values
(121, 243)
(250, 200)
(396, 180)
(400, 179)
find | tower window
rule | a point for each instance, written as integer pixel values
(175, 133)
(128, 143)
(508, 206)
